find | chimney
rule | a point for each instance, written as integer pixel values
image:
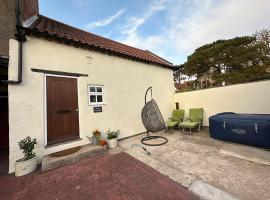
(29, 8)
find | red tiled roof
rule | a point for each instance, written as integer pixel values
(57, 29)
(180, 86)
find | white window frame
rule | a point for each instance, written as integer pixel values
(96, 93)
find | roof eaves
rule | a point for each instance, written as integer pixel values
(171, 64)
(91, 47)
(31, 27)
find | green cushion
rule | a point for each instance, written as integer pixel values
(178, 115)
(171, 124)
(196, 114)
(188, 124)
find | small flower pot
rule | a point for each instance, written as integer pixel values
(102, 142)
(112, 143)
(23, 167)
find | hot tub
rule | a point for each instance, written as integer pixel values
(250, 129)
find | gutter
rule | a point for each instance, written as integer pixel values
(20, 37)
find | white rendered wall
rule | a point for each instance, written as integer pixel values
(125, 83)
(253, 98)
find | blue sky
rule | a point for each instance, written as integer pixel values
(172, 29)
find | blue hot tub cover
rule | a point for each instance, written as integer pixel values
(250, 129)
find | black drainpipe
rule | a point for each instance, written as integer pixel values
(20, 37)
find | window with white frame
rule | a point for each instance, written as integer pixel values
(96, 95)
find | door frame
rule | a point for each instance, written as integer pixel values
(45, 104)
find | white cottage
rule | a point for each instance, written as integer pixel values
(66, 82)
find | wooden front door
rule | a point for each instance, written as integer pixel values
(62, 109)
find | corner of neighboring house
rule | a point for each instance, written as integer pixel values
(9, 61)
(7, 32)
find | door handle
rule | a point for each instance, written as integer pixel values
(77, 110)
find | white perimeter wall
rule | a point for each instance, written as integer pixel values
(241, 98)
(125, 82)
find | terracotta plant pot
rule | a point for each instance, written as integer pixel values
(102, 142)
(23, 167)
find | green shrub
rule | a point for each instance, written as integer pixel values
(27, 145)
(112, 134)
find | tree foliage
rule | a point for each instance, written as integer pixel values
(234, 60)
(178, 74)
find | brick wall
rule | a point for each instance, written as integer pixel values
(7, 24)
(29, 8)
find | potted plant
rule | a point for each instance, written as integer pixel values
(112, 138)
(28, 163)
(96, 136)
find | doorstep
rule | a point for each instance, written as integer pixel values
(49, 162)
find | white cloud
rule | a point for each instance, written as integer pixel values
(228, 19)
(104, 22)
(130, 31)
(193, 23)
(79, 3)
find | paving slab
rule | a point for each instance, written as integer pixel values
(115, 150)
(187, 158)
(176, 175)
(247, 153)
(209, 192)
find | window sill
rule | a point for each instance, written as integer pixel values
(102, 104)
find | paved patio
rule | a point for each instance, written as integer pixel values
(110, 176)
(187, 159)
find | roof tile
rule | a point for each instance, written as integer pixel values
(54, 28)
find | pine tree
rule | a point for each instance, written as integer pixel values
(236, 60)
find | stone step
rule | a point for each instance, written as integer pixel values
(86, 151)
(209, 192)
(247, 153)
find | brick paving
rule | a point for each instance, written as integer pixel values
(103, 177)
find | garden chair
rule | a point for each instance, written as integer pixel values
(177, 117)
(194, 120)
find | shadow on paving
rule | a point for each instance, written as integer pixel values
(114, 177)
(3, 161)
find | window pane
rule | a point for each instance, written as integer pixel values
(99, 89)
(92, 89)
(99, 98)
(93, 98)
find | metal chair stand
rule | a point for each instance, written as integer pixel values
(153, 137)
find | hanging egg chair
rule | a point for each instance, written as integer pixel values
(152, 121)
